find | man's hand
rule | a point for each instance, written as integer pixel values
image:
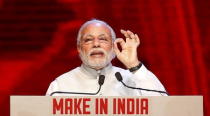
(128, 55)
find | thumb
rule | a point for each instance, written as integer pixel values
(116, 49)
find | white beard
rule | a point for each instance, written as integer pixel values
(97, 63)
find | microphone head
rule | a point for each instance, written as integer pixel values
(118, 76)
(101, 80)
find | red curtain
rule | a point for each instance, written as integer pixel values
(38, 41)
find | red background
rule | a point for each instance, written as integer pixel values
(38, 41)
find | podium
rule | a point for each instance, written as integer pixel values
(106, 106)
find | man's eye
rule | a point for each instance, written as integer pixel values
(87, 40)
(103, 38)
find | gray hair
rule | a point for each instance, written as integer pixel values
(113, 35)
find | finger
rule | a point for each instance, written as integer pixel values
(130, 32)
(124, 33)
(128, 40)
(131, 35)
(116, 49)
(137, 39)
(121, 42)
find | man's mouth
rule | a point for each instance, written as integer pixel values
(97, 54)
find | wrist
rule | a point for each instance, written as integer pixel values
(133, 64)
(135, 68)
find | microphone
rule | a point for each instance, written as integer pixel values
(100, 82)
(119, 78)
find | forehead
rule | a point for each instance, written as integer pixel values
(95, 29)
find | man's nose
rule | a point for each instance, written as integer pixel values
(96, 43)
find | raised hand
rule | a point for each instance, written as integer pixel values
(128, 55)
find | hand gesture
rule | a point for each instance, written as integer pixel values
(128, 55)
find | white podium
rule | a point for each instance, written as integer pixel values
(106, 106)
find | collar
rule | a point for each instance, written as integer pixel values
(92, 73)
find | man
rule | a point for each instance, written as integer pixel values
(97, 46)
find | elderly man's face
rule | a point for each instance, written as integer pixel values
(95, 47)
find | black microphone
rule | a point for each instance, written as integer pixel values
(100, 82)
(119, 78)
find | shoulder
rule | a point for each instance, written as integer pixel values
(119, 69)
(142, 72)
(68, 75)
(122, 71)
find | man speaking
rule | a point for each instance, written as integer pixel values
(97, 46)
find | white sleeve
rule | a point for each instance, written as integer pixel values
(52, 88)
(147, 80)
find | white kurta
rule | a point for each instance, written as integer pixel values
(85, 79)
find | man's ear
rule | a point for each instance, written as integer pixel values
(78, 48)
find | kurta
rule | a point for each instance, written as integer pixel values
(85, 79)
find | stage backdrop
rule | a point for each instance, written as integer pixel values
(38, 41)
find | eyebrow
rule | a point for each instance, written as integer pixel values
(86, 35)
(102, 35)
